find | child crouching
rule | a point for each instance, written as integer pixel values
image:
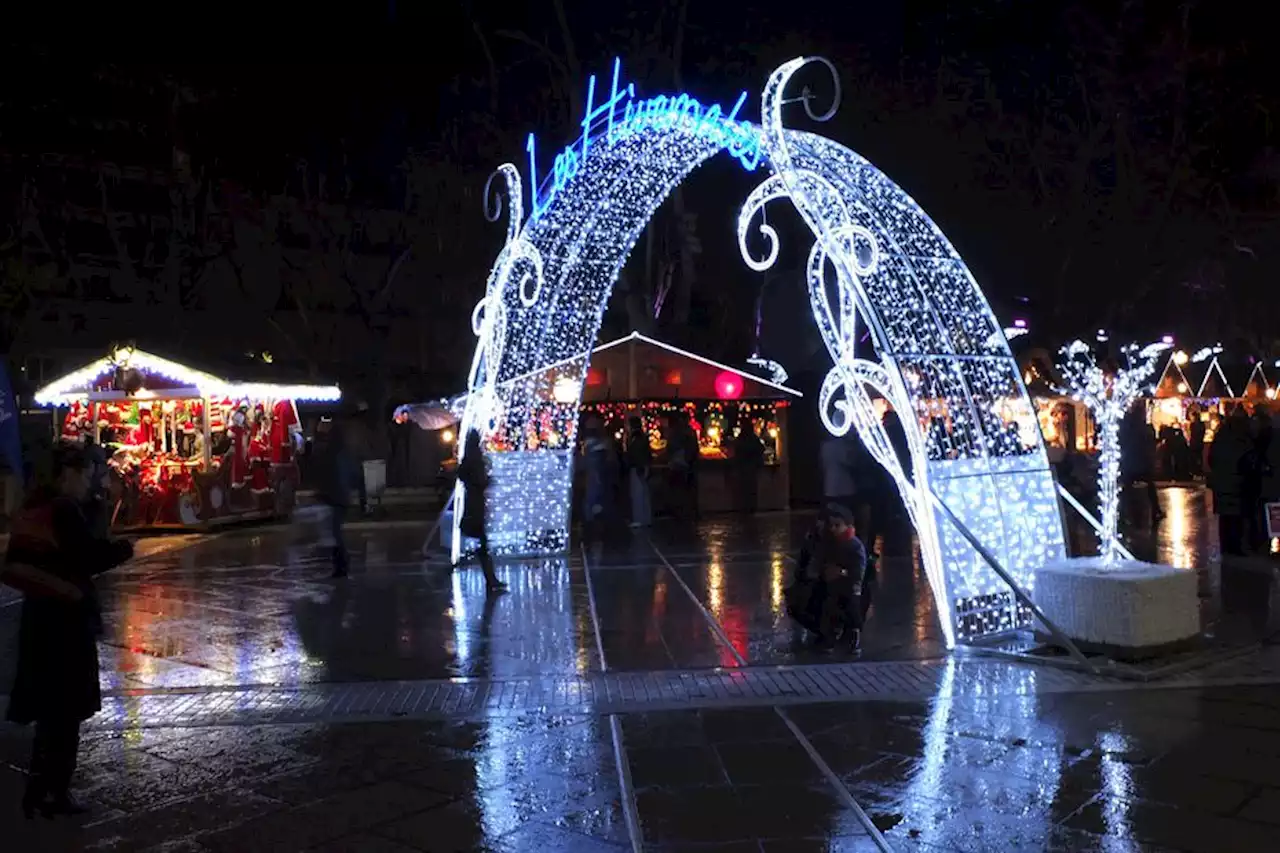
(825, 595)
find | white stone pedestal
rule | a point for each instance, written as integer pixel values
(1130, 605)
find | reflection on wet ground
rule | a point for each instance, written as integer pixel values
(997, 765)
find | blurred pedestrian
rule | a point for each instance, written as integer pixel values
(598, 462)
(639, 467)
(1258, 479)
(839, 485)
(97, 508)
(1196, 444)
(473, 473)
(682, 461)
(52, 558)
(336, 479)
(1138, 456)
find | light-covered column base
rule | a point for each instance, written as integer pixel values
(1125, 608)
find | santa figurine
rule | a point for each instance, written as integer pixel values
(284, 429)
(144, 434)
(239, 432)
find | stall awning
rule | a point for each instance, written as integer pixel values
(80, 384)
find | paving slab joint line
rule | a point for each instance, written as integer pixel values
(842, 790)
(630, 809)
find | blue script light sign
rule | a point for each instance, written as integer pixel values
(622, 114)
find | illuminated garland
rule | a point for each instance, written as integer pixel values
(69, 387)
(1108, 396)
(944, 364)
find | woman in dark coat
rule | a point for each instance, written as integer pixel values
(473, 473)
(53, 557)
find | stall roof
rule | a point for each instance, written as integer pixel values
(78, 383)
(1214, 384)
(458, 403)
(645, 339)
(1172, 382)
(1258, 385)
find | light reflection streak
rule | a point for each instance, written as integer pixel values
(1180, 550)
(535, 627)
(943, 750)
(1117, 780)
(777, 576)
(715, 586)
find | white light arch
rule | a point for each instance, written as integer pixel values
(943, 356)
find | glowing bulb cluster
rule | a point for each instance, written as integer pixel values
(1108, 395)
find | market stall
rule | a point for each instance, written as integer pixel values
(638, 376)
(185, 449)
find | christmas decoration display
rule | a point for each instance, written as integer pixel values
(944, 364)
(1108, 394)
(185, 448)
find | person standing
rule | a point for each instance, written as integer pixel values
(597, 461)
(748, 459)
(1227, 456)
(97, 508)
(1257, 473)
(337, 472)
(682, 455)
(839, 485)
(639, 466)
(473, 473)
(52, 558)
(1196, 445)
(1138, 460)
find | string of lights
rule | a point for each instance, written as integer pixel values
(944, 365)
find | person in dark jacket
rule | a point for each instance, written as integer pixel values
(335, 482)
(825, 597)
(639, 468)
(56, 554)
(1138, 464)
(1228, 456)
(473, 473)
(748, 459)
(97, 507)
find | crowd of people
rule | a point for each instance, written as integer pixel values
(1243, 477)
(618, 477)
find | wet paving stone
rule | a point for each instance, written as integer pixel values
(939, 756)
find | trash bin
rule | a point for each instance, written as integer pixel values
(375, 479)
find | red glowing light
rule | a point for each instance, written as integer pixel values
(728, 386)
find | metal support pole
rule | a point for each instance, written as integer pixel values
(1087, 516)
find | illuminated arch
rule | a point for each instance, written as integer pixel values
(943, 356)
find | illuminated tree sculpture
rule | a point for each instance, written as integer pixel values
(1108, 394)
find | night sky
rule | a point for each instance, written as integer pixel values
(1096, 163)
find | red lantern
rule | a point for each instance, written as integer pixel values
(728, 385)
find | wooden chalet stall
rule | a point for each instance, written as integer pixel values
(638, 376)
(185, 449)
